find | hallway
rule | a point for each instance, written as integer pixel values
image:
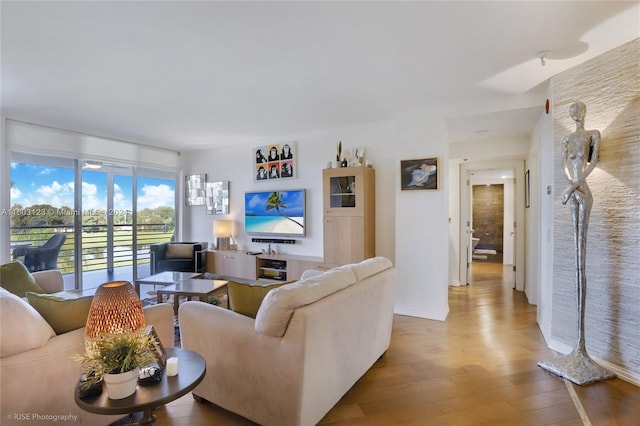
(479, 367)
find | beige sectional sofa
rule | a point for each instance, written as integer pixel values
(310, 342)
(37, 373)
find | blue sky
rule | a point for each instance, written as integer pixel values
(256, 203)
(35, 184)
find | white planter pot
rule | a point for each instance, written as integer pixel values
(121, 385)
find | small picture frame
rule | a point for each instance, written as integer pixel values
(159, 351)
(274, 162)
(420, 174)
(153, 373)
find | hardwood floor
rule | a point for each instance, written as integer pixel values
(479, 367)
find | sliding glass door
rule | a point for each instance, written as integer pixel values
(110, 214)
(42, 204)
(156, 213)
(107, 224)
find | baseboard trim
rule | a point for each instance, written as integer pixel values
(622, 373)
(454, 283)
(411, 312)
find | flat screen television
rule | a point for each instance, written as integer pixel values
(275, 213)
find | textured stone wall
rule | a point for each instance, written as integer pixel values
(488, 217)
(609, 85)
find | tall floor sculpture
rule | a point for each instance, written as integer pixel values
(580, 152)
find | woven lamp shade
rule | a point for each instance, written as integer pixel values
(116, 308)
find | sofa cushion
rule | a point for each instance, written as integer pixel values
(62, 314)
(22, 326)
(16, 278)
(246, 299)
(311, 273)
(179, 251)
(368, 267)
(278, 305)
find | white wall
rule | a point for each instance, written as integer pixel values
(236, 164)
(421, 221)
(409, 225)
(539, 218)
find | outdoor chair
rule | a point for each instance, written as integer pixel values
(41, 258)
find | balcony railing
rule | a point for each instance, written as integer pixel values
(95, 242)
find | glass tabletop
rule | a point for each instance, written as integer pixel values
(167, 277)
(195, 285)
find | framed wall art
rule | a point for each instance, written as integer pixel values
(194, 190)
(419, 174)
(217, 197)
(274, 162)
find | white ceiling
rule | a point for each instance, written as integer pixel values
(188, 75)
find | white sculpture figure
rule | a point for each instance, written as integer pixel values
(580, 152)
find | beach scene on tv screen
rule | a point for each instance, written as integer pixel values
(276, 212)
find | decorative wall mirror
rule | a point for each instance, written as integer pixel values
(194, 190)
(217, 197)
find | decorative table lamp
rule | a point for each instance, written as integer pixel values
(222, 230)
(115, 308)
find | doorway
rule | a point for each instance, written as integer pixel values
(487, 223)
(486, 240)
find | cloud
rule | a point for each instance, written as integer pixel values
(15, 195)
(120, 200)
(156, 196)
(57, 194)
(46, 171)
(89, 199)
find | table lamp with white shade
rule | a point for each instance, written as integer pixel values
(222, 231)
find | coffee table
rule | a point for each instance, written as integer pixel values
(191, 371)
(190, 288)
(163, 279)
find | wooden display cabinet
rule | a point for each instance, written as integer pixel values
(349, 215)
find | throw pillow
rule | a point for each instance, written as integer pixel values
(246, 299)
(16, 278)
(22, 326)
(179, 251)
(62, 314)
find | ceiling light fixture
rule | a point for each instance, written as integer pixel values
(93, 165)
(542, 54)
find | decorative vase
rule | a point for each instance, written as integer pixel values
(121, 385)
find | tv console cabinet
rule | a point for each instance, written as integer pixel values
(263, 267)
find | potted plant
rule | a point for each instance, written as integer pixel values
(116, 358)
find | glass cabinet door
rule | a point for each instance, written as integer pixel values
(343, 191)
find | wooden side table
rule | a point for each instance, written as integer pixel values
(191, 371)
